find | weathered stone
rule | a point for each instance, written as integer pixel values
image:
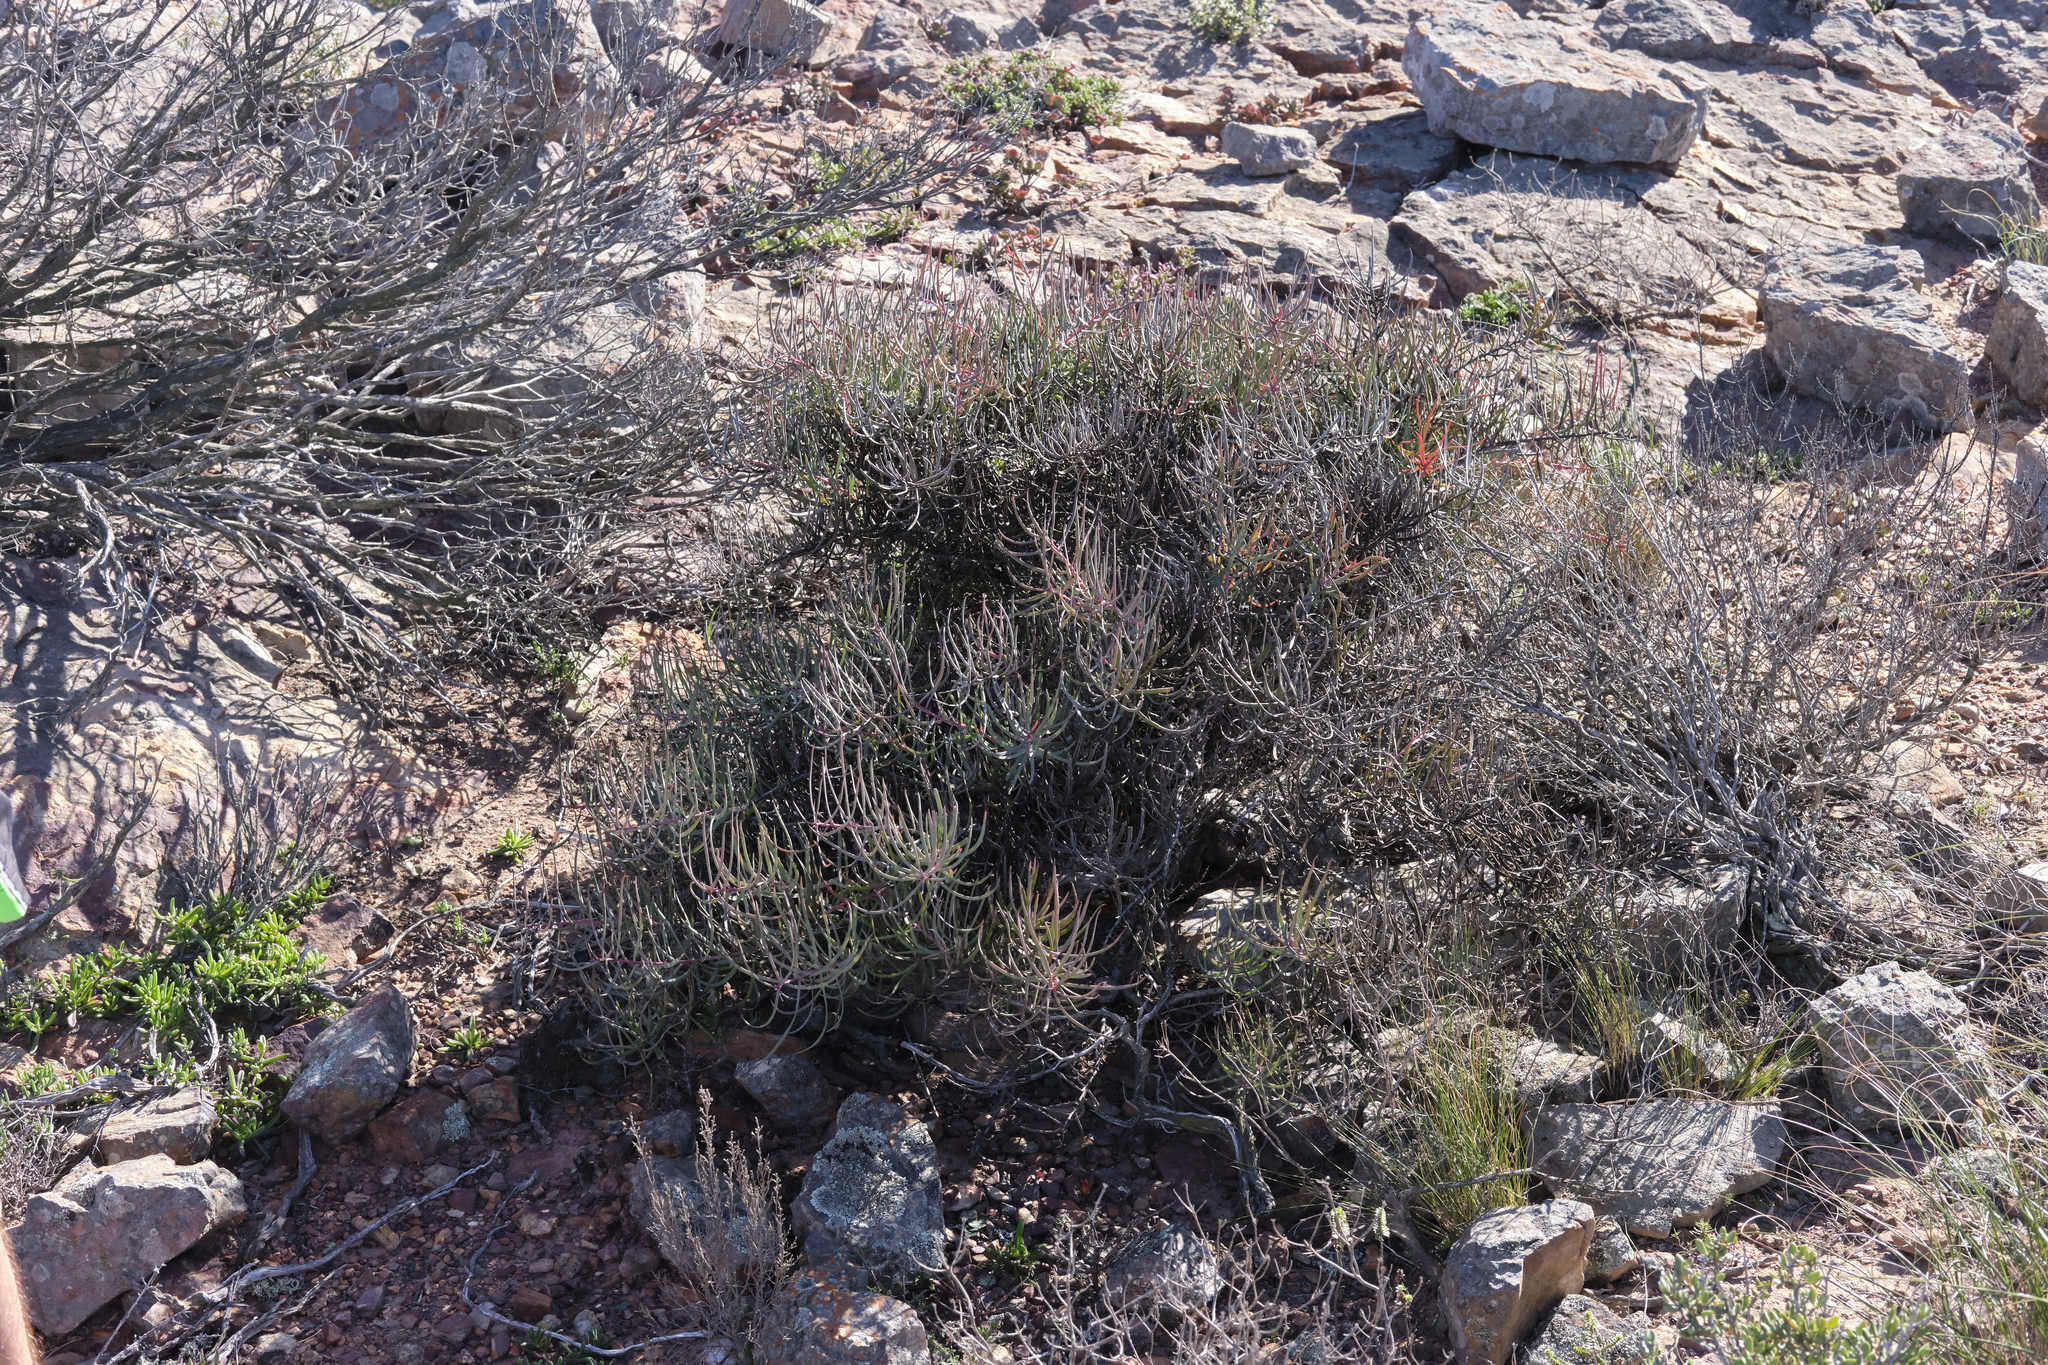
(1898, 1048)
(1395, 149)
(791, 29)
(1164, 1271)
(973, 30)
(418, 1127)
(824, 1322)
(1687, 923)
(1656, 1165)
(1584, 236)
(2019, 900)
(1583, 1331)
(1263, 150)
(104, 1229)
(352, 1070)
(665, 1199)
(1973, 180)
(178, 1125)
(1527, 86)
(1847, 324)
(790, 1089)
(673, 1133)
(1611, 1254)
(1507, 1270)
(2017, 347)
(871, 1196)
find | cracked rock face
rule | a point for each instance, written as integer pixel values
(1490, 77)
(1658, 1165)
(871, 1197)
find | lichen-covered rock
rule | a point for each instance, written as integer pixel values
(1491, 77)
(104, 1229)
(1973, 180)
(1847, 323)
(1583, 1331)
(1898, 1048)
(791, 29)
(824, 1322)
(1658, 1165)
(351, 1071)
(1507, 1270)
(871, 1197)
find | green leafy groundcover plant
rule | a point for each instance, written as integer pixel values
(216, 967)
(1030, 89)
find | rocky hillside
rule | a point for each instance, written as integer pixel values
(1250, 680)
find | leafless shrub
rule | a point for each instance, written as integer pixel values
(412, 372)
(721, 1227)
(33, 1153)
(1282, 1301)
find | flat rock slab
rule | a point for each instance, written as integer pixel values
(1491, 77)
(1848, 324)
(1657, 1165)
(178, 1125)
(1973, 181)
(1582, 235)
(1396, 149)
(104, 1229)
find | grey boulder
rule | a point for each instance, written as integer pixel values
(2017, 348)
(351, 1071)
(1263, 150)
(104, 1229)
(1973, 180)
(1507, 1270)
(1165, 1270)
(1848, 325)
(871, 1198)
(790, 1089)
(1658, 1165)
(1491, 77)
(1898, 1049)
